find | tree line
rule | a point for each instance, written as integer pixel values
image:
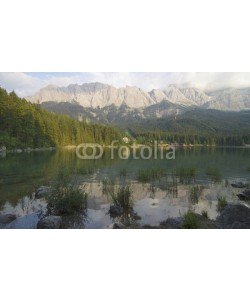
(23, 124)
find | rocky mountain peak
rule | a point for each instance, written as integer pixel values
(97, 94)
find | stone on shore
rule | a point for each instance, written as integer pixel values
(42, 191)
(245, 195)
(50, 222)
(239, 185)
(5, 219)
(115, 210)
(234, 217)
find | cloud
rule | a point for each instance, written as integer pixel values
(26, 84)
(212, 81)
(22, 83)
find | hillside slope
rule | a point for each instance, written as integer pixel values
(23, 124)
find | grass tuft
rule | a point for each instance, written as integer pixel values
(214, 174)
(123, 197)
(191, 220)
(222, 203)
(107, 186)
(195, 193)
(150, 175)
(67, 200)
(186, 175)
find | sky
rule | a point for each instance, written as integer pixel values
(27, 83)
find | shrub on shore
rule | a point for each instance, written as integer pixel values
(190, 221)
(67, 200)
(123, 197)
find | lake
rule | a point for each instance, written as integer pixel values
(169, 195)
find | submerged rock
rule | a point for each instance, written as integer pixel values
(118, 226)
(115, 210)
(234, 217)
(26, 222)
(8, 218)
(244, 195)
(50, 222)
(42, 191)
(172, 223)
(239, 185)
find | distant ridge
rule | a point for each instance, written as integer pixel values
(100, 95)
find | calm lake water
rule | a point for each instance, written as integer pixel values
(155, 201)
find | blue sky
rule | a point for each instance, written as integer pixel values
(27, 83)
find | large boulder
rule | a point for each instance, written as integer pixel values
(234, 217)
(25, 222)
(239, 185)
(244, 195)
(172, 223)
(115, 210)
(50, 222)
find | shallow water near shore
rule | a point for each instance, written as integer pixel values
(168, 196)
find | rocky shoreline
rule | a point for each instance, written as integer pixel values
(4, 151)
(232, 216)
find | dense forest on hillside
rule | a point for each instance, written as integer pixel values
(23, 124)
(189, 125)
(198, 126)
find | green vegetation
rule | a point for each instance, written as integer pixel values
(123, 198)
(196, 127)
(24, 124)
(222, 203)
(248, 169)
(195, 193)
(86, 170)
(150, 175)
(107, 186)
(67, 200)
(186, 175)
(191, 220)
(213, 173)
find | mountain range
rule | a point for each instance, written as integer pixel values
(98, 95)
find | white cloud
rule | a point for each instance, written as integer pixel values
(22, 83)
(26, 84)
(212, 81)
